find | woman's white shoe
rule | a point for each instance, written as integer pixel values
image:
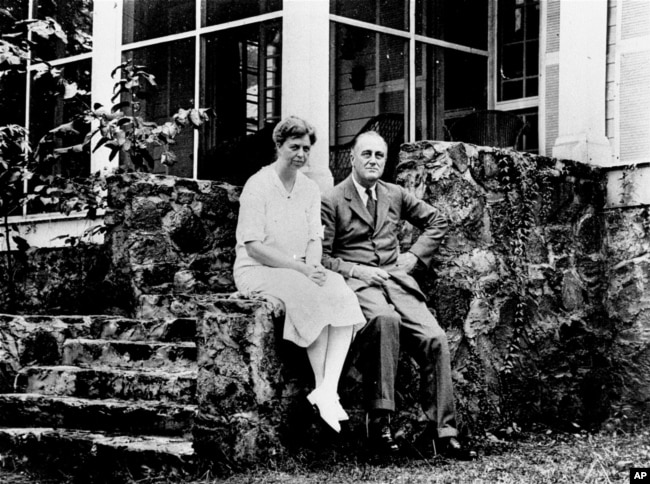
(342, 414)
(327, 408)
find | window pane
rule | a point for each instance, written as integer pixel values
(429, 113)
(387, 13)
(48, 106)
(462, 22)
(241, 82)
(532, 20)
(370, 79)
(517, 49)
(511, 21)
(465, 80)
(532, 61)
(12, 98)
(76, 20)
(530, 139)
(512, 66)
(512, 90)
(454, 86)
(148, 19)
(172, 64)
(49, 109)
(221, 11)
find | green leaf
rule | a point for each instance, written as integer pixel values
(147, 157)
(121, 66)
(101, 141)
(114, 152)
(21, 244)
(119, 106)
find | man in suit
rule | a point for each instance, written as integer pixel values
(360, 216)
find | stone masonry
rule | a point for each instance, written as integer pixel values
(540, 289)
(520, 286)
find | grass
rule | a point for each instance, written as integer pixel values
(604, 457)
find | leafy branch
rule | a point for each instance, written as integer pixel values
(121, 128)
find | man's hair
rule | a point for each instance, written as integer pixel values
(371, 133)
(293, 127)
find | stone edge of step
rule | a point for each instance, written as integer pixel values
(172, 445)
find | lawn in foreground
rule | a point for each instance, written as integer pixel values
(605, 457)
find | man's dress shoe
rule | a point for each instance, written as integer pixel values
(380, 435)
(451, 448)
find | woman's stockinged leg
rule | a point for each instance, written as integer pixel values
(338, 345)
(327, 356)
(317, 353)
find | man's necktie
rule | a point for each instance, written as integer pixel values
(371, 205)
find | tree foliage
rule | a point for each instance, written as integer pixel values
(52, 174)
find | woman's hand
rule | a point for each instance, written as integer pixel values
(316, 273)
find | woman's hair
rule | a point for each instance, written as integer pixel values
(293, 127)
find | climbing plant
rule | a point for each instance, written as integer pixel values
(516, 219)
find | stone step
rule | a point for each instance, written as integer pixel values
(129, 354)
(31, 409)
(166, 330)
(97, 456)
(105, 382)
(170, 328)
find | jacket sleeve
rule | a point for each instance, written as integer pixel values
(430, 220)
(329, 220)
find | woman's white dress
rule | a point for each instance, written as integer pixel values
(287, 221)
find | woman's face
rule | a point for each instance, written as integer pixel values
(294, 152)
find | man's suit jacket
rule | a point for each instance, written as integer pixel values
(350, 237)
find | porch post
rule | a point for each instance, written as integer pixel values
(107, 55)
(305, 76)
(582, 83)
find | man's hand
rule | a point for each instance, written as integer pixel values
(373, 276)
(407, 262)
(316, 273)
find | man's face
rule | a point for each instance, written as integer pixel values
(368, 159)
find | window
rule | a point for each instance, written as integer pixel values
(430, 72)
(12, 83)
(371, 77)
(518, 48)
(229, 62)
(425, 63)
(242, 83)
(223, 54)
(51, 104)
(172, 64)
(517, 60)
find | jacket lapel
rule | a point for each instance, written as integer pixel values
(355, 203)
(383, 202)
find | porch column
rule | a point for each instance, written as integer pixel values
(582, 83)
(305, 76)
(107, 17)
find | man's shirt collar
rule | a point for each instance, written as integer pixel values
(362, 191)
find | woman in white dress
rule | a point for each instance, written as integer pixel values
(279, 235)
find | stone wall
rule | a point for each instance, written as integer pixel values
(522, 284)
(172, 235)
(67, 280)
(541, 290)
(628, 305)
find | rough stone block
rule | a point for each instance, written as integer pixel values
(240, 386)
